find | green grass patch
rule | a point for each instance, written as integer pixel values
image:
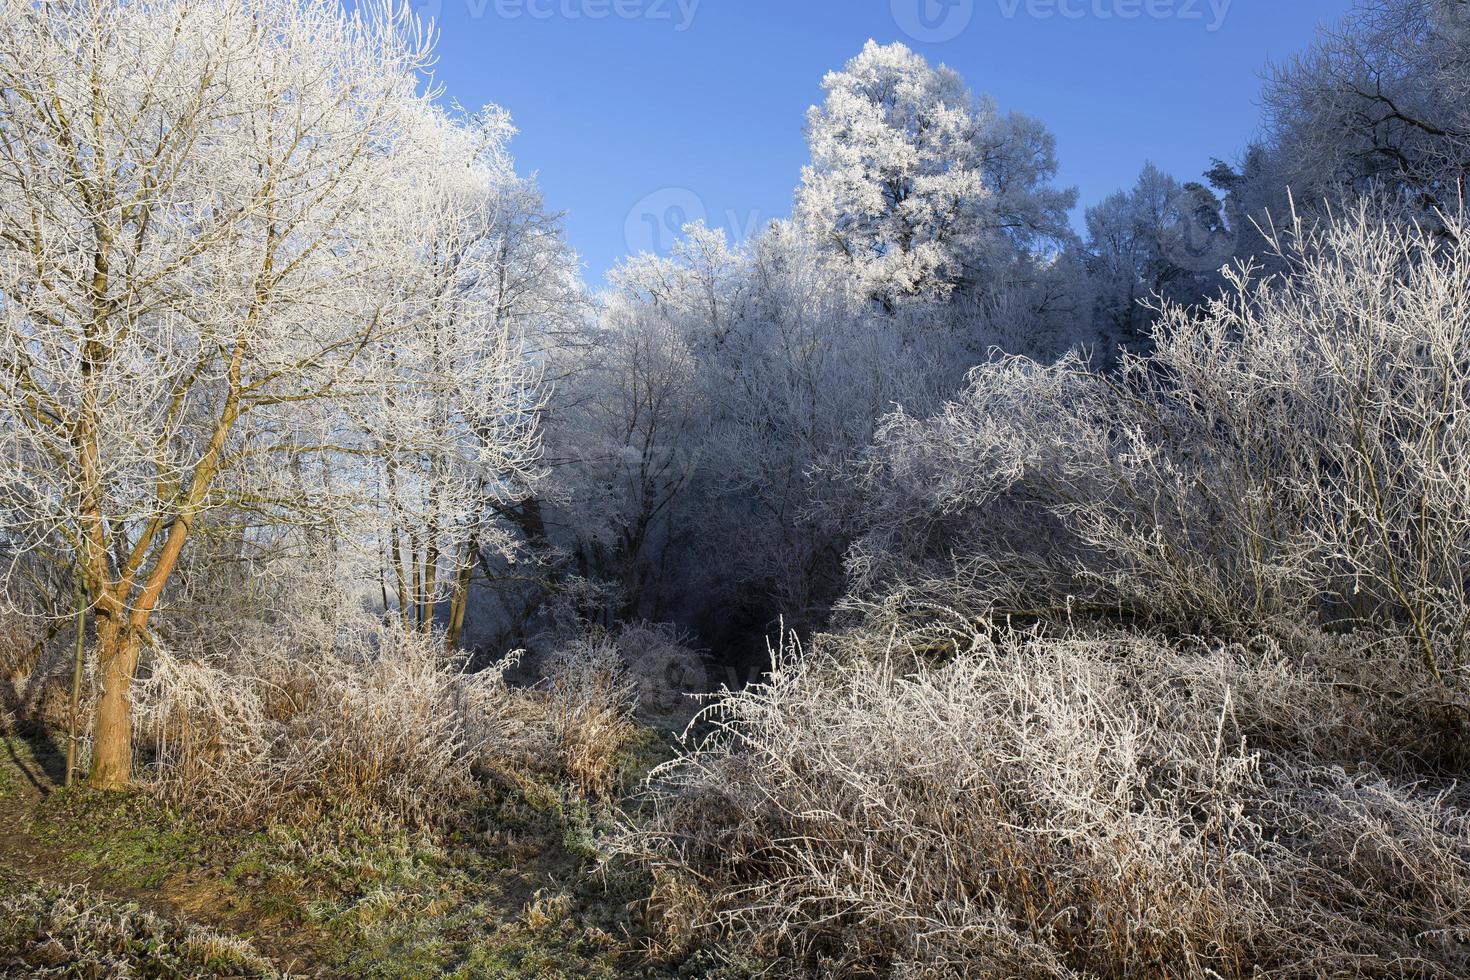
(516, 891)
(513, 893)
(127, 839)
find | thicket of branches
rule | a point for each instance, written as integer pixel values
(1293, 451)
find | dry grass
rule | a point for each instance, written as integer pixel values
(591, 700)
(1084, 806)
(15, 672)
(371, 730)
(35, 675)
(383, 729)
(68, 932)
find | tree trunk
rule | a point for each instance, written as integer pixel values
(112, 732)
(459, 602)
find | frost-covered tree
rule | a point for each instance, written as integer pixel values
(1377, 105)
(1384, 97)
(628, 422)
(707, 428)
(208, 209)
(919, 186)
(1159, 241)
(454, 424)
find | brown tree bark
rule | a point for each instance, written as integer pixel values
(121, 626)
(112, 733)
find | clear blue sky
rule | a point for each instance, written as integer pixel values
(638, 112)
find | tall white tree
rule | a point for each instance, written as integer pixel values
(919, 185)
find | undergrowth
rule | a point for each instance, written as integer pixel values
(514, 890)
(47, 931)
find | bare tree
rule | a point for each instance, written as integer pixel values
(200, 225)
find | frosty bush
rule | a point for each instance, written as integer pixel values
(372, 729)
(1296, 451)
(591, 699)
(1091, 805)
(23, 680)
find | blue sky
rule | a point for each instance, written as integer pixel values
(638, 113)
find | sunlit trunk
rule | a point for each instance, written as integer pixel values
(112, 732)
(430, 584)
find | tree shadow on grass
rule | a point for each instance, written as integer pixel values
(43, 762)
